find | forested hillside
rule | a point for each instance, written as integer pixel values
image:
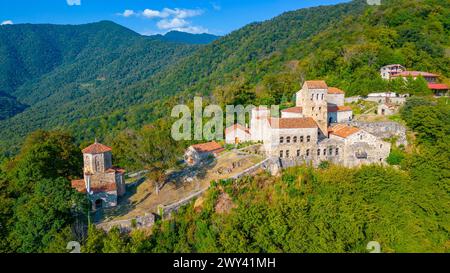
(9, 106)
(72, 71)
(187, 38)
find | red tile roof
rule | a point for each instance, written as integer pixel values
(437, 86)
(80, 186)
(209, 147)
(293, 110)
(316, 84)
(342, 130)
(237, 126)
(415, 74)
(96, 148)
(292, 123)
(104, 187)
(334, 90)
(334, 108)
(115, 169)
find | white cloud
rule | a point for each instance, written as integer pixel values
(192, 29)
(7, 22)
(149, 13)
(74, 2)
(172, 23)
(127, 13)
(216, 6)
(175, 13)
(171, 19)
(183, 13)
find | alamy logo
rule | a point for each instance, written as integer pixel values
(207, 123)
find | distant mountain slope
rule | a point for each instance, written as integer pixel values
(187, 38)
(51, 66)
(9, 106)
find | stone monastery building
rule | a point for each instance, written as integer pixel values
(102, 182)
(315, 130)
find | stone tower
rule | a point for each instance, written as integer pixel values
(97, 158)
(313, 98)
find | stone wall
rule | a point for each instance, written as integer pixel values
(127, 225)
(384, 130)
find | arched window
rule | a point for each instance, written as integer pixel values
(281, 139)
(301, 138)
(288, 139)
(318, 152)
(281, 153)
(308, 138)
(324, 151)
(322, 96)
(317, 96)
(330, 151)
(307, 152)
(312, 96)
(337, 151)
(295, 139)
(298, 153)
(287, 153)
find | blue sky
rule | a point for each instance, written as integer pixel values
(153, 16)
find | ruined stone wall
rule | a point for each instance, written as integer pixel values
(140, 222)
(384, 130)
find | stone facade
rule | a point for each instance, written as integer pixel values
(196, 154)
(384, 130)
(313, 99)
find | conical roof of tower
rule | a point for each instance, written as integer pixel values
(96, 148)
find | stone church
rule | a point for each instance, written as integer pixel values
(315, 130)
(103, 182)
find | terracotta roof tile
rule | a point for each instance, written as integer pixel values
(80, 186)
(293, 110)
(116, 169)
(316, 84)
(209, 147)
(104, 187)
(292, 123)
(342, 130)
(96, 148)
(414, 74)
(437, 86)
(334, 108)
(237, 126)
(334, 90)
